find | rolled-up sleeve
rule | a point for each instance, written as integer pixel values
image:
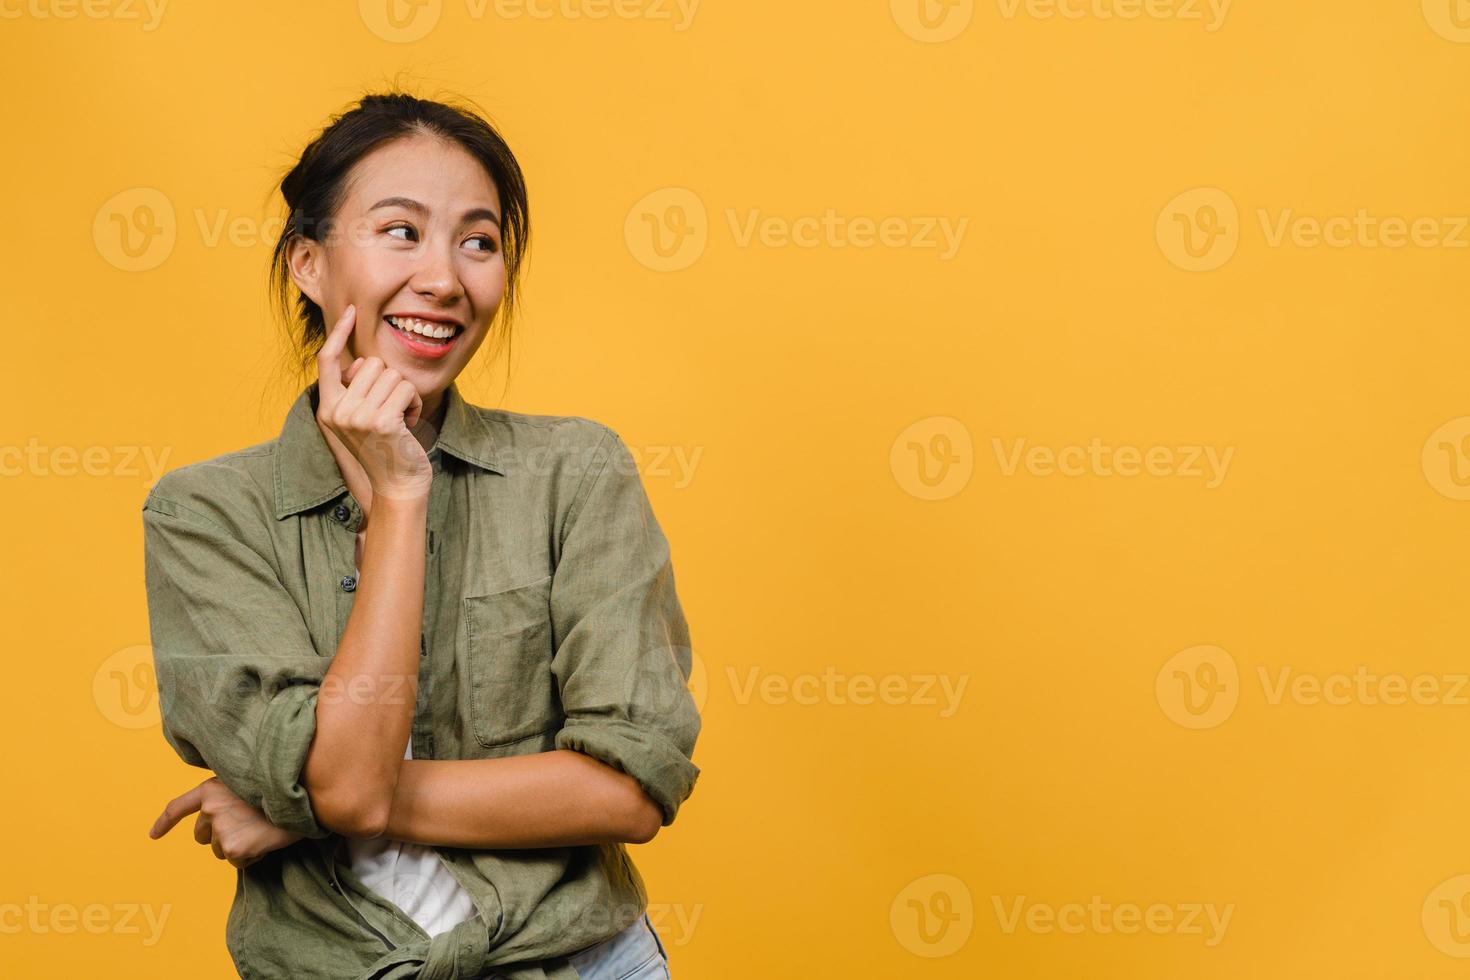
(623, 656)
(238, 676)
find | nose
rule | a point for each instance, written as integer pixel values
(434, 277)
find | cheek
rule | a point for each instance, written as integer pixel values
(366, 272)
(486, 284)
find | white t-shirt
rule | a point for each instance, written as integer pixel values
(412, 877)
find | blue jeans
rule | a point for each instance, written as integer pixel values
(636, 953)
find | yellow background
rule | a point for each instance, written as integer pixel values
(848, 508)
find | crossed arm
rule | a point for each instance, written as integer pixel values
(355, 773)
(244, 694)
(550, 799)
(359, 784)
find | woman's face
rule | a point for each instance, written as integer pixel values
(418, 234)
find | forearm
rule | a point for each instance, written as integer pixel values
(550, 799)
(365, 706)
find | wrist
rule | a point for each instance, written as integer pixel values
(400, 504)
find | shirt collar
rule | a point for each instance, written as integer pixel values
(306, 471)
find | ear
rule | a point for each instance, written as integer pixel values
(305, 260)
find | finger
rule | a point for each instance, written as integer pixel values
(362, 382)
(219, 849)
(351, 370)
(203, 828)
(176, 810)
(328, 364)
(406, 401)
(382, 389)
(415, 410)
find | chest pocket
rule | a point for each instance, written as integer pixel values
(512, 692)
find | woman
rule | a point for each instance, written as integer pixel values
(432, 652)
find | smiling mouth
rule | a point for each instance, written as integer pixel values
(425, 331)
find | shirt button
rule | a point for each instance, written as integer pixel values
(341, 513)
(349, 583)
(335, 887)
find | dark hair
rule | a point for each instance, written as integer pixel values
(316, 186)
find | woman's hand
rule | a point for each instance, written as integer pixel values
(373, 416)
(237, 831)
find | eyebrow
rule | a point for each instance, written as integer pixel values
(473, 214)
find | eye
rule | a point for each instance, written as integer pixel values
(408, 228)
(487, 240)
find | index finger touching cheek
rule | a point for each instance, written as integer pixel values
(329, 363)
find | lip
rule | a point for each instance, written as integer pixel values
(418, 348)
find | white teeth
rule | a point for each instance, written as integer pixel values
(439, 331)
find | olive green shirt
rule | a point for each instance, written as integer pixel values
(550, 622)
